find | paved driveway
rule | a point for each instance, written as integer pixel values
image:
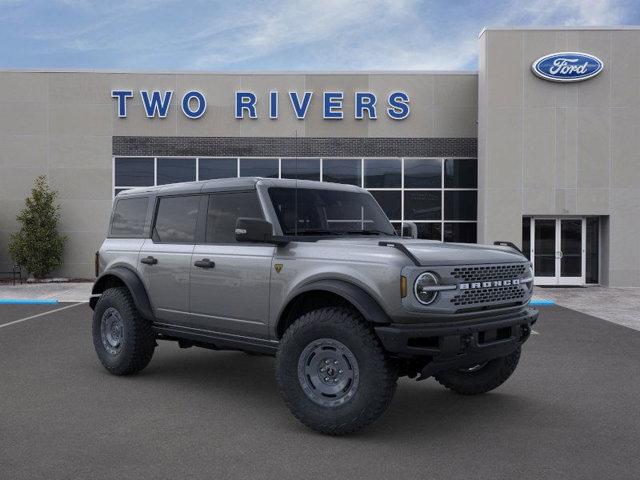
(572, 410)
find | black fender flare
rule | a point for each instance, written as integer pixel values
(368, 307)
(132, 281)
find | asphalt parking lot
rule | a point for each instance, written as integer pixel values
(571, 410)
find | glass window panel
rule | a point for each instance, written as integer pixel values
(397, 226)
(129, 216)
(460, 205)
(422, 205)
(391, 203)
(223, 212)
(176, 170)
(430, 231)
(341, 171)
(460, 173)
(176, 219)
(593, 240)
(545, 248)
(118, 190)
(211, 168)
(134, 172)
(526, 237)
(422, 173)
(571, 248)
(259, 167)
(382, 173)
(461, 232)
(301, 168)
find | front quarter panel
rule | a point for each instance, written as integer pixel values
(376, 272)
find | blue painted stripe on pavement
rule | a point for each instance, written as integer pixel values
(27, 301)
(542, 302)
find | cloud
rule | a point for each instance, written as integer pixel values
(383, 35)
(286, 34)
(568, 12)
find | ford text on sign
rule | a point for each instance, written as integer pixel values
(567, 66)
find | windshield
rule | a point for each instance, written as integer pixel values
(307, 211)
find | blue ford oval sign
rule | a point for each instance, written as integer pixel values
(567, 66)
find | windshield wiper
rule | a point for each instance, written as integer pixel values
(316, 232)
(368, 232)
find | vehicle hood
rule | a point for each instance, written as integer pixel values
(431, 252)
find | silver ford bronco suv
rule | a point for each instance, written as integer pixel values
(314, 274)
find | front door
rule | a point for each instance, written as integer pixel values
(229, 280)
(558, 250)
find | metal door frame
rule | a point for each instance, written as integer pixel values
(558, 279)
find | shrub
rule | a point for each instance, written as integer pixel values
(38, 246)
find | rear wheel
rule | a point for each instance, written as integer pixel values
(480, 378)
(333, 373)
(122, 339)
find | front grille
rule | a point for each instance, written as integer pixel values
(478, 296)
(490, 272)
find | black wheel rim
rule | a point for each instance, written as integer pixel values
(328, 372)
(112, 330)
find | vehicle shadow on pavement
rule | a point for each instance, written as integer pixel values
(418, 409)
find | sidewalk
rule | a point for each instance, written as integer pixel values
(62, 292)
(615, 304)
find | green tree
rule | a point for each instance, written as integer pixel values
(38, 246)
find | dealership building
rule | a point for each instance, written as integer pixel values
(539, 147)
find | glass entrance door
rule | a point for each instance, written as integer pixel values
(558, 250)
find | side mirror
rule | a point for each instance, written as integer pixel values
(254, 230)
(409, 229)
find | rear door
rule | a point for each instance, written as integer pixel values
(230, 280)
(165, 259)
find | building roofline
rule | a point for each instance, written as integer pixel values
(238, 72)
(561, 27)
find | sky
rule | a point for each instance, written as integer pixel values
(279, 35)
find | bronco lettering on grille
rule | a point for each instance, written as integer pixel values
(493, 283)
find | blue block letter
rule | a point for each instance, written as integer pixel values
(246, 101)
(273, 105)
(365, 101)
(398, 105)
(156, 105)
(201, 101)
(122, 96)
(332, 105)
(300, 108)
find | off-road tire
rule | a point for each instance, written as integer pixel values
(487, 378)
(138, 341)
(377, 375)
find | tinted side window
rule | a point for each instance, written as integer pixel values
(129, 215)
(176, 219)
(224, 210)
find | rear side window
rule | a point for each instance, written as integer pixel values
(176, 219)
(224, 209)
(129, 216)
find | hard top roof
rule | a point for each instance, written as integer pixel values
(235, 183)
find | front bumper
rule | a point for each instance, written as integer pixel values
(447, 346)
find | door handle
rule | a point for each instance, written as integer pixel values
(204, 263)
(149, 260)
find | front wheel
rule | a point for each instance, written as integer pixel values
(480, 378)
(333, 373)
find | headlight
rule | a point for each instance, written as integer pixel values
(425, 288)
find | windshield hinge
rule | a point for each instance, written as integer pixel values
(403, 249)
